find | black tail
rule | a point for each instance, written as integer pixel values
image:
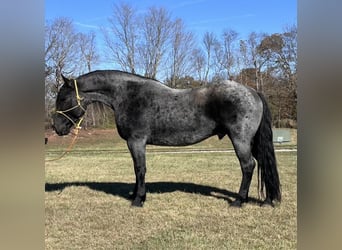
(263, 151)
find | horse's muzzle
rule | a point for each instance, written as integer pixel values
(61, 132)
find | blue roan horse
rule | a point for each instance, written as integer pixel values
(148, 112)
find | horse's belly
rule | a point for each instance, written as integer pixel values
(176, 136)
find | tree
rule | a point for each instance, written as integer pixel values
(181, 44)
(89, 56)
(122, 38)
(61, 55)
(242, 62)
(229, 38)
(252, 58)
(198, 63)
(156, 28)
(88, 50)
(280, 53)
(209, 42)
(287, 60)
(185, 82)
(67, 52)
(154, 44)
(61, 50)
(288, 64)
(224, 61)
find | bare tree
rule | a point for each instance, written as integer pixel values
(255, 59)
(88, 49)
(153, 41)
(209, 41)
(199, 63)
(122, 36)
(182, 42)
(156, 28)
(242, 59)
(252, 45)
(229, 38)
(89, 56)
(224, 59)
(67, 52)
(61, 55)
(61, 50)
(287, 61)
(217, 64)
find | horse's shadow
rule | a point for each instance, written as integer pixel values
(125, 189)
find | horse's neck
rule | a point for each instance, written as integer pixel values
(92, 97)
(98, 91)
(109, 89)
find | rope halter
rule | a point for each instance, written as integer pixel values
(79, 105)
(76, 124)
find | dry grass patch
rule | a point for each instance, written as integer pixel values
(87, 205)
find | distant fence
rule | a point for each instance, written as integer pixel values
(281, 135)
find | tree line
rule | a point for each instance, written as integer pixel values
(155, 44)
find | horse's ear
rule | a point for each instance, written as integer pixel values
(67, 81)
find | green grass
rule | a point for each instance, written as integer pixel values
(87, 205)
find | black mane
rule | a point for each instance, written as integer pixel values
(118, 73)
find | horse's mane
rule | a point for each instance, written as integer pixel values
(118, 73)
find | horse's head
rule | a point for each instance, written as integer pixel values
(69, 107)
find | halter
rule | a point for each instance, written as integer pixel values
(77, 125)
(79, 105)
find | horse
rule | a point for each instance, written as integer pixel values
(147, 111)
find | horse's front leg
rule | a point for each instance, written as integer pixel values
(137, 147)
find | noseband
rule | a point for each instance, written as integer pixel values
(79, 105)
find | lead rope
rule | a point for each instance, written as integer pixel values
(72, 143)
(77, 125)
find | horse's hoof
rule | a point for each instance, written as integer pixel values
(137, 203)
(236, 203)
(267, 203)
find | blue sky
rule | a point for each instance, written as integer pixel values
(244, 16)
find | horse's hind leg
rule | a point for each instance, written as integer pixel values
(247, 163)
(137, 149)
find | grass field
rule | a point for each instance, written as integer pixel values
(187, 206)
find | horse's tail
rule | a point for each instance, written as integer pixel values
(263, 151)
